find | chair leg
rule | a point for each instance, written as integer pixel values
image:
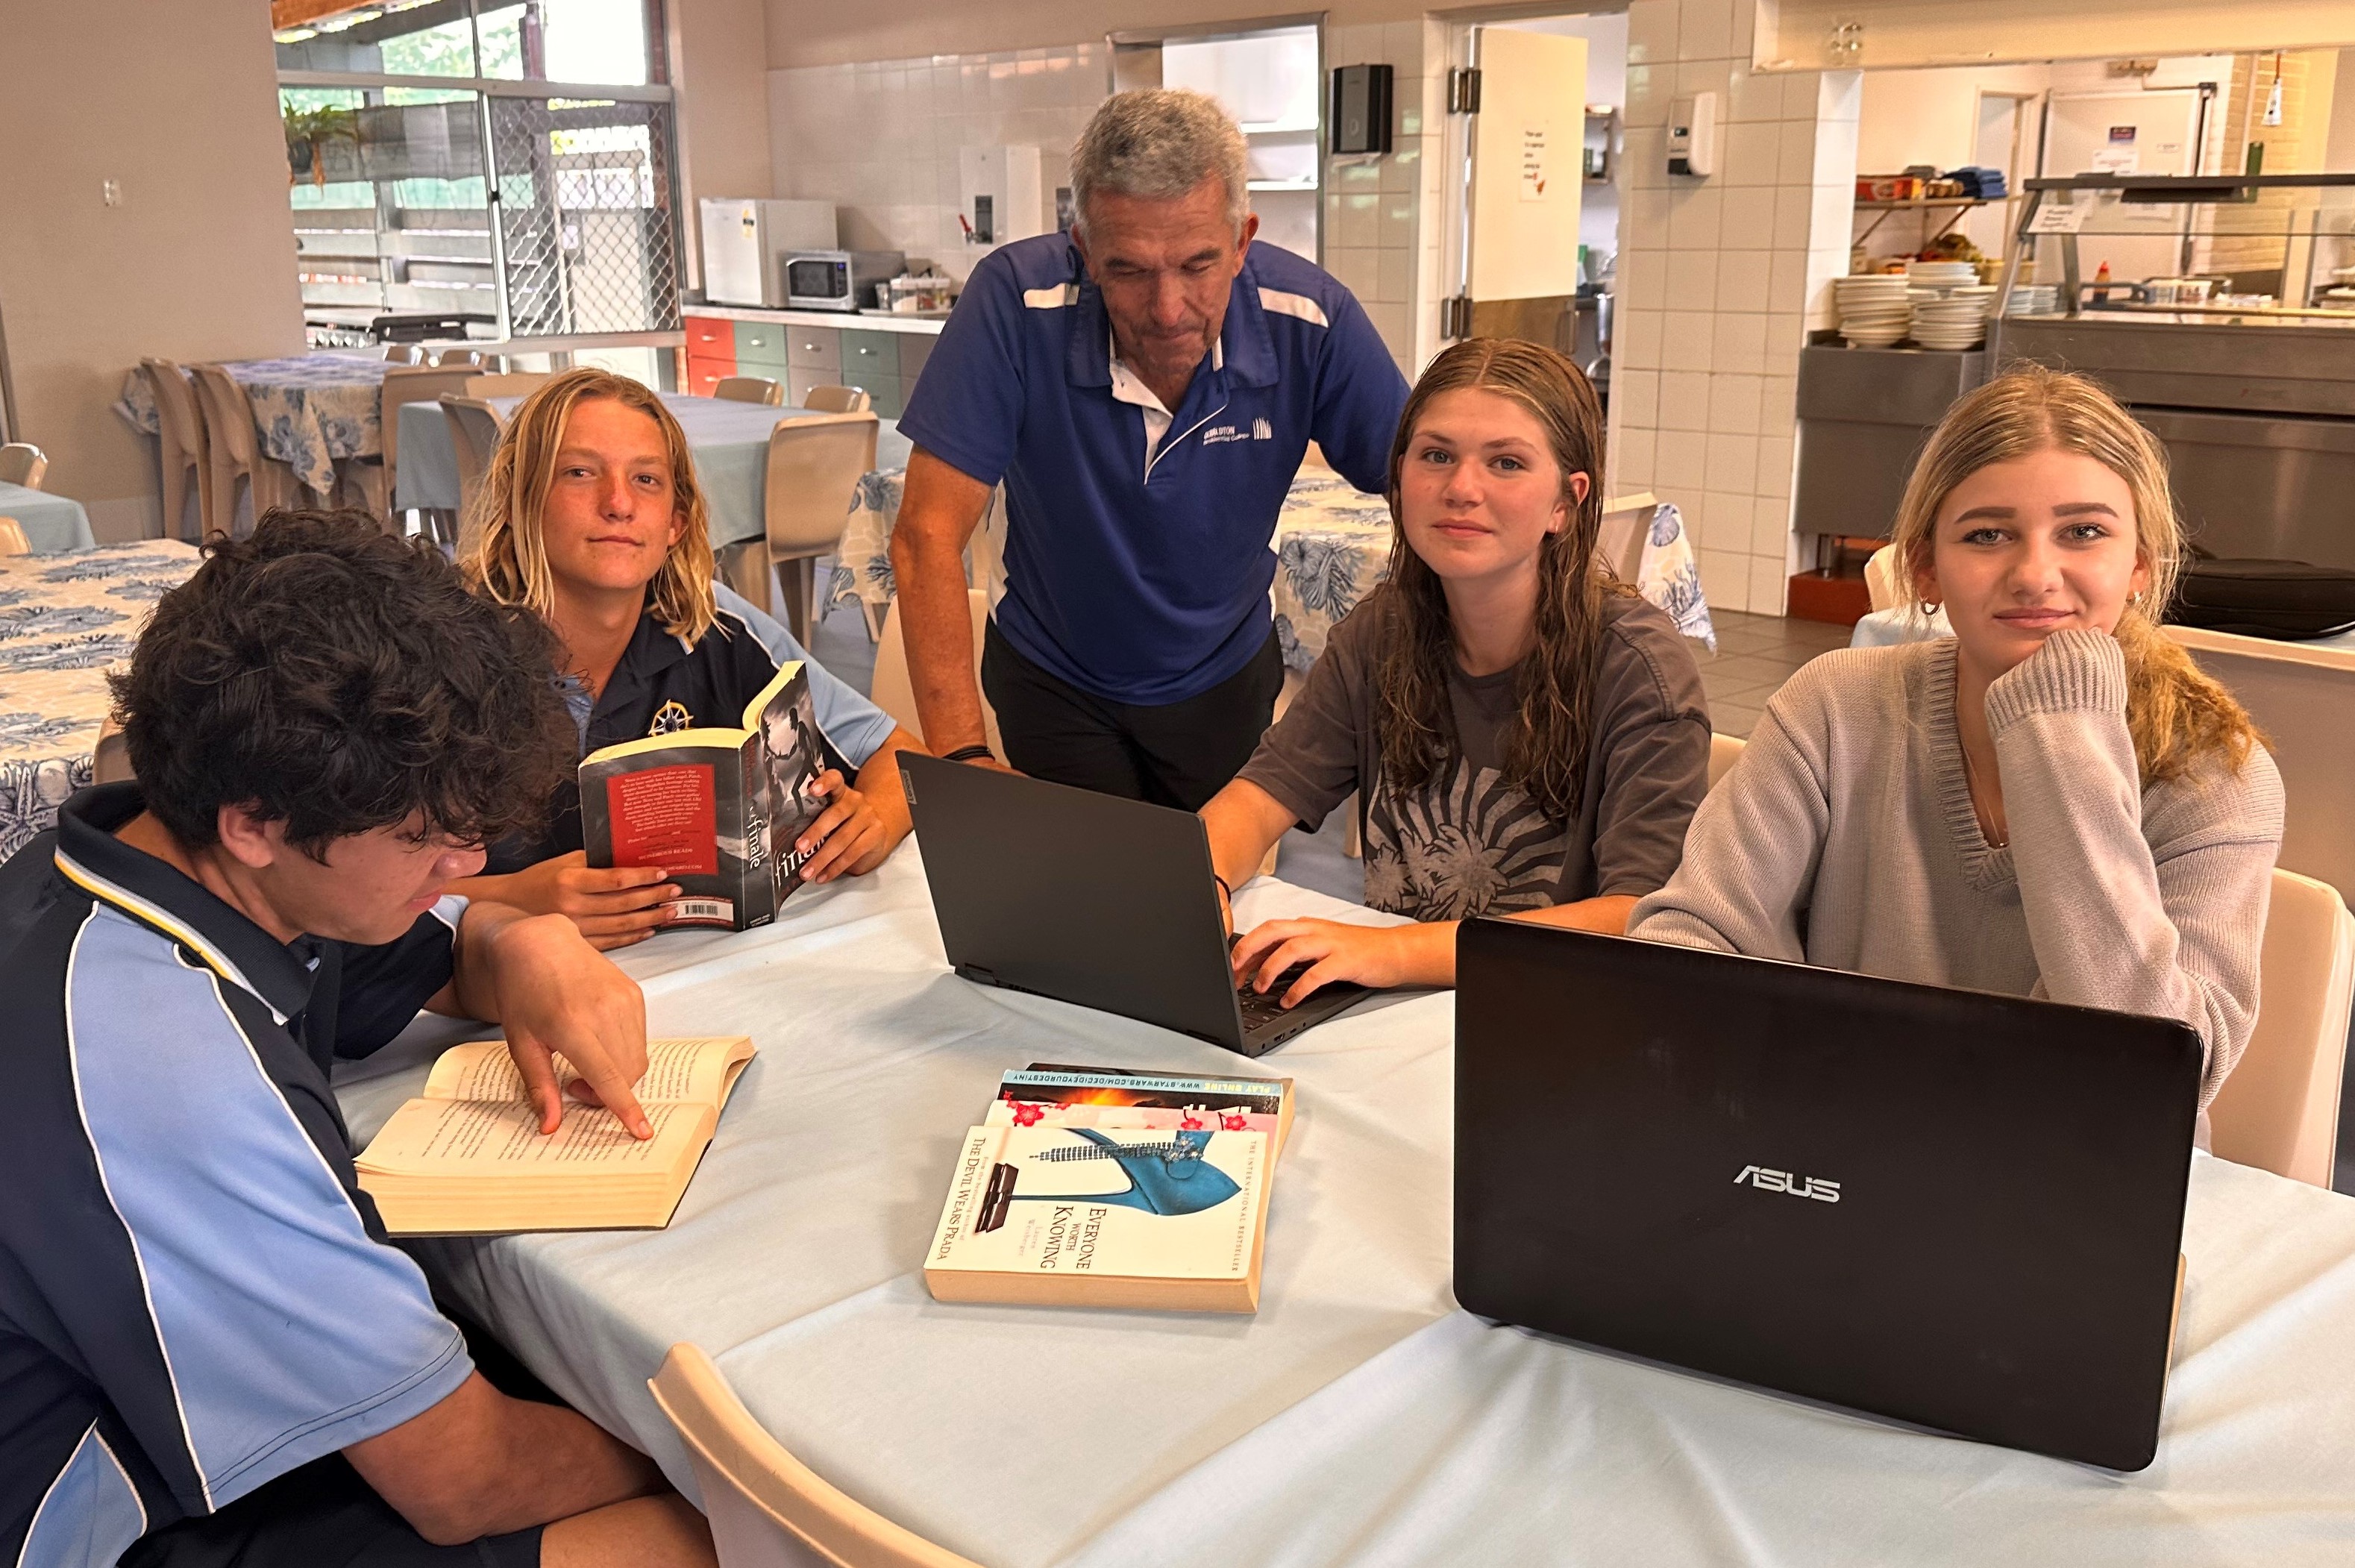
(800, 584)
(174, 473)
(744, 566)
(1353, 843)
(874, 619)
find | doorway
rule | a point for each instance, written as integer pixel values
(1533, 153)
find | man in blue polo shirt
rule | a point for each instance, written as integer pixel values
(1146, 389)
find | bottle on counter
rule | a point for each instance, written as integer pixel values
(2101, 295)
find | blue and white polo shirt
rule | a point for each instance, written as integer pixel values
(195, 1295)
(1144, 578)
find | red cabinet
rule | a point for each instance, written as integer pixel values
(710, 353)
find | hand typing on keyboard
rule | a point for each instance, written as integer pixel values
(1286, 961)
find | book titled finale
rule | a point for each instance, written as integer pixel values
(717, 809)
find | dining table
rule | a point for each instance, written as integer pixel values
(52, 524)
(729, 441)
(64, 619)
(310, 411)
(1361, 1416)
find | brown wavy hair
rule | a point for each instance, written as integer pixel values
(508, 562)
(2178, 716)
(1547, 743)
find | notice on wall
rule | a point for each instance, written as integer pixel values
(2064, 216)
(2115, 160)
(1536, 160)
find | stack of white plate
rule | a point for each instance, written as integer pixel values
(1940, 275)
(1874, 309)
(1958, 320)
(2035, 299)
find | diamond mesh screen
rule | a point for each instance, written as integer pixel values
(588, 212)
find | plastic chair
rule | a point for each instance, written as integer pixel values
(404, 354)
(767, 1508)
(12, 538)
(455, 359)
(1880, 578)
(814, 468)
(506, 383)
(750, 390)
(1626, 524)
(111, 758)
(414, 383)
(22, 463)
(894, 690)
(473, 437)
(182, 447)
(2279, 1110)
(1724, 751)
(833, 400)
(236, 451)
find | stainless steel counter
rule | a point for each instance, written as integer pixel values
(1864, 414)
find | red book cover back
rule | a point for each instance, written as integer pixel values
(665, 816)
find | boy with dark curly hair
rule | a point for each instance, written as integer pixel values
(208, 1352)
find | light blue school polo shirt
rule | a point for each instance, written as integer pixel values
(1146, 581)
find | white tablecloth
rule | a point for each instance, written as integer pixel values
(1359, 1417)
(53, 524)
(729, 441)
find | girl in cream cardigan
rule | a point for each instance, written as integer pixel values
(2053, 801)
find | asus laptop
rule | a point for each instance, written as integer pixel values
(1958, 1209)
(1091, 899)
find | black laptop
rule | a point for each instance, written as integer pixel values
(1958, 1209)
(1091, 899)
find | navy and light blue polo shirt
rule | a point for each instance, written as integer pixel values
(1146, 581)
(195, 1296)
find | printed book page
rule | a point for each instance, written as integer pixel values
(698, 1069)
(485, 1137)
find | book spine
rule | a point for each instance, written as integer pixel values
(1242, 1088)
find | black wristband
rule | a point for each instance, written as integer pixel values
(1222, 886)
(972, 753)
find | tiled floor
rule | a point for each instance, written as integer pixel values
(1755, 655)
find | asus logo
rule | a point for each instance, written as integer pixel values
(1767, 1181)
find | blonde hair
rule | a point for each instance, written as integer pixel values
(2177, 716)
(508, 562)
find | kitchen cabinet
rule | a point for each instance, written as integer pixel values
(814, 349)
(710, 353)
(761, 348)
(871, 361)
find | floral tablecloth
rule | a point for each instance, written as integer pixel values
(310, 409)
(63, 619)
(1332, 545)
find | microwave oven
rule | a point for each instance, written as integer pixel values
(838, 280)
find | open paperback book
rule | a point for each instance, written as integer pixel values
(467, 1156)
(717, 809)
(1090, 1187)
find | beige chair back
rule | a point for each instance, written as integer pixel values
(454, 358)
(767, 1508)
(894, 691)
(473, 437)
(506, 384)
(2279, 1110)
(1724, 751)
(111, 761)
(404, 354)
(182, 447)
(833, 400)
(750, 390)
(235, 451)
(1627, 524)
(2303, 697)
(12, 538)
(22, 463)
(414, 384)
(815, 465)
(1880, 578)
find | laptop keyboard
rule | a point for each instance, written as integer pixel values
(1258, 1009)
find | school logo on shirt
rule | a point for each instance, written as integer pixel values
(1219, 433)
(1262, 430)
(671, 717)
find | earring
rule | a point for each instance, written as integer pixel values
(1929, 606)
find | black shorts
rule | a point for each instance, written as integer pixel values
(321, 1515)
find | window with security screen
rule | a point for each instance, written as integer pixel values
(478, 169)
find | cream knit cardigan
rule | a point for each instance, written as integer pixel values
(1843, 837)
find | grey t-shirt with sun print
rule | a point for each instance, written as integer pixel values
(1471, 843)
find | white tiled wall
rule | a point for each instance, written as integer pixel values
(880, 139)
(1720, 281)
(1375, 208)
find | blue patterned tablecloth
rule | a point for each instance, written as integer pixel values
(1332, 545)
(52, 523)
(309, 409)
(63, 620)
